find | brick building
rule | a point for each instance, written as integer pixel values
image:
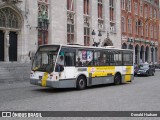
(140, 29)
(26, 24)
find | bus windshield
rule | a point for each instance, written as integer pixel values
(45, 59)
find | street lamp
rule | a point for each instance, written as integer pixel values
(99, 35)
(130, 45)
(152, 50)
(43, 23)
(93, 36)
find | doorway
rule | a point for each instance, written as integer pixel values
(13, 46)
(1, 46)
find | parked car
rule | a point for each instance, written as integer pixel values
(157, 66)
(146, 69)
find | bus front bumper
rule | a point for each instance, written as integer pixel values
(55, 84)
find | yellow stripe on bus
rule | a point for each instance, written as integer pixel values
(44, 79)
(128, 73)
(101, 71)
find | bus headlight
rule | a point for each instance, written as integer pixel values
(51, 75)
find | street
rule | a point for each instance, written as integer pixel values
(140, 95)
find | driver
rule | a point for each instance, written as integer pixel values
(60, 63)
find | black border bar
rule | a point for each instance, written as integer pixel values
(79, 114)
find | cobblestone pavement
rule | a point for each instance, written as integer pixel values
(140, 95)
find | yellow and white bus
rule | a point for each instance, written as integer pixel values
(74, 66)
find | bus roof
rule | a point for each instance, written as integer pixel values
(90, 47)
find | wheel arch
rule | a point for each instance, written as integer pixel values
(78, 84)
(118, 73)
(83, 76)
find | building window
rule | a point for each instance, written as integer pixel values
(43, 21)
(123, 4)
(70, 5)
(2, 19)
(141, 9)
(136, 8)
(100, 15)
(155, 32)
(151, 12)
(42, 37)
(70, 33)
(155, 14)
(141, 29)
(123, 24)
(70, 21)
(130, 26)
(146, 31)
(156, 3)
(86, 7)
(111, 10)
(43, 8)
(86, 36)
(100, 9)
(146, 12)
(136, 27)
(151, 31)
(112, 16)
(129, 5)
(8, 18)
(86, 23)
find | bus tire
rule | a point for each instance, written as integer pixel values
(117, 79)
(81, 83)
(152, 73)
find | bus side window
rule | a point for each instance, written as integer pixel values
(100, 58)
(78, 62)
(84, 58)
(127, 58)
(69, 59)
(118, 58)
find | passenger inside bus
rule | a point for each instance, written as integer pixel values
(98, 62)
(61, 61)
(79, 63)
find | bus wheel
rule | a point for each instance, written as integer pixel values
(152, 73)
(81, 83)
(117, 79)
